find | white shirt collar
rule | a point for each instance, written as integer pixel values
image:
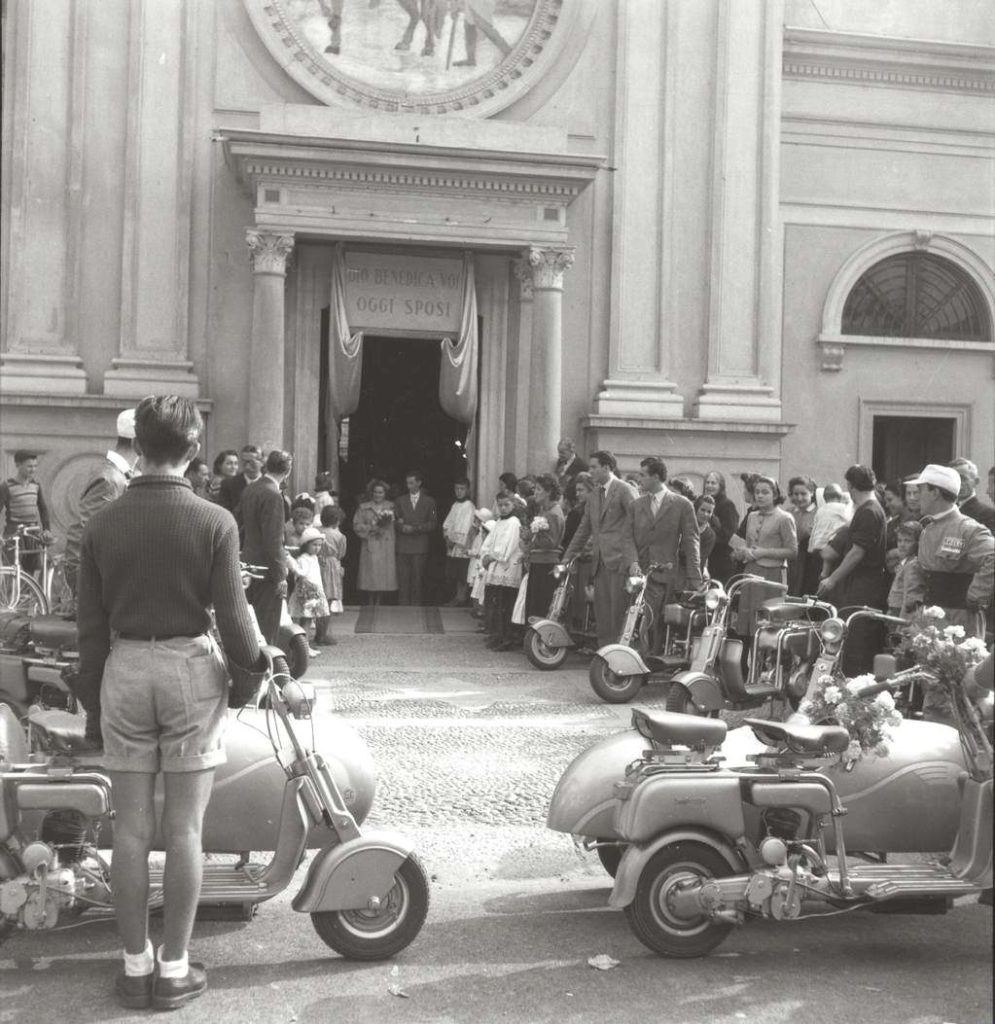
(115, 459)
(414, 498)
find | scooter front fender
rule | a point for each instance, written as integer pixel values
(704, 691)
(349, 875)
(551, 633)
(635, 859)
(623, 660)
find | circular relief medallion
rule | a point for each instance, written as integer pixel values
(434, 56)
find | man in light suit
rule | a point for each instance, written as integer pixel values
(606, 522)
(414, 521)
(107, 486)
(663, 530)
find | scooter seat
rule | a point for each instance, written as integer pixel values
(669, 729)
(60, 731)
(54, 632)
(801, 739)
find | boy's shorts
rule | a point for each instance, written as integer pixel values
(164, 705)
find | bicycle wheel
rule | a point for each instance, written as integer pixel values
(19, 592)
(58, 591)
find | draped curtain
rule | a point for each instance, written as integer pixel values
(457, 376)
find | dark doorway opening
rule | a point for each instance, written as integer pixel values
(904, 444)
(400, 425)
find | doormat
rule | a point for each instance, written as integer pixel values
(398, 619)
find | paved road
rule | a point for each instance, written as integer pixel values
(469, 745)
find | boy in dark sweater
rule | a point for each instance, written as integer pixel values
(152, 564)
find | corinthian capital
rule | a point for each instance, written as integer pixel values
(548, 265)
(270, 253)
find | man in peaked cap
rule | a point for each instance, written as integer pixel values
(956, 553)
(106, 487)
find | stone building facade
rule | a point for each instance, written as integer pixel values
(741, 234)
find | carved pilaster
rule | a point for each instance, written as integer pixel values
(549, 265)
(522, 269)
(269, 253)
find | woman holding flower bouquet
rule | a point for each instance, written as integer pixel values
(374, 525)
(542, 541)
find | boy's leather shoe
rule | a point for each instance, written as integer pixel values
(134, 991)
(172, 993)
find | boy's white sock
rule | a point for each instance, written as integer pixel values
(173, 968)
(137, 965)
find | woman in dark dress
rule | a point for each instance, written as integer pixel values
(720, 563)
(542, 537)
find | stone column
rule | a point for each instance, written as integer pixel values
(270, 253)
(548, 265)
(523, 370)
(744, 334)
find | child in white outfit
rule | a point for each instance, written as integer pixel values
(308, 600)
(457, 529)
(501, 557)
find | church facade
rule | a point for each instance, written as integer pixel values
(740, 235)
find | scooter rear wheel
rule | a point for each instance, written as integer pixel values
(610, 686)
(379, 934)
(679, 701)
(540, 654)
(651, 915)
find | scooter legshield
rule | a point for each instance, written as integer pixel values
(551, 633)
(348, 876)
(623, 660)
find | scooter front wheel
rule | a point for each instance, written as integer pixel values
(381, 933)
(609, 685)
(653, 916)
(541, 654)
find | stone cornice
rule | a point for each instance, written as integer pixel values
(882, 60)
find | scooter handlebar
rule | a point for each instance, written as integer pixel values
(893, 682)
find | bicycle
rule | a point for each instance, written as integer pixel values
(19, 590)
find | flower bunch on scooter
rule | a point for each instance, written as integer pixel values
(943, 651)
(868, 720)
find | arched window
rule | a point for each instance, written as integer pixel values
(917, 295)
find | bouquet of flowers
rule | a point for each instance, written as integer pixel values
(943, 651)
(383, 517)
(540, 524)
(868, 720)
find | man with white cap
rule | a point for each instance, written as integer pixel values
(107, 486)
(956, 553)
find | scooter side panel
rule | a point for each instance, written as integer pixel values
(712, 802)
(583, 803)
(704, 690)
(346, 876)
(552, 634)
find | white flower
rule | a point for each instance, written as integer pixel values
(806, 707)
(894, 719)
(539, 524)
(831, 694)
(885, 700)
(934, 612)
(974, 645)
(842, 711)
(954, 632)
(825, 680)
(853, 685)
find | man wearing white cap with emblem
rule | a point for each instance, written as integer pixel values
(108, 485)
(956, 553)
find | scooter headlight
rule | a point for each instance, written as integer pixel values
(714, 598)
(832, 631)
(633, 583)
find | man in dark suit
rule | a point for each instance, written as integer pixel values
(232, 487)
(414, 521)
(663, 531)
(263, 517)
(605, 521)
(975, 506)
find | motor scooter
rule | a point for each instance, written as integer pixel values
(905, 802)
(619, 670)
(784, 643)
(569, 623)
(367, 894)
(711, 846)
